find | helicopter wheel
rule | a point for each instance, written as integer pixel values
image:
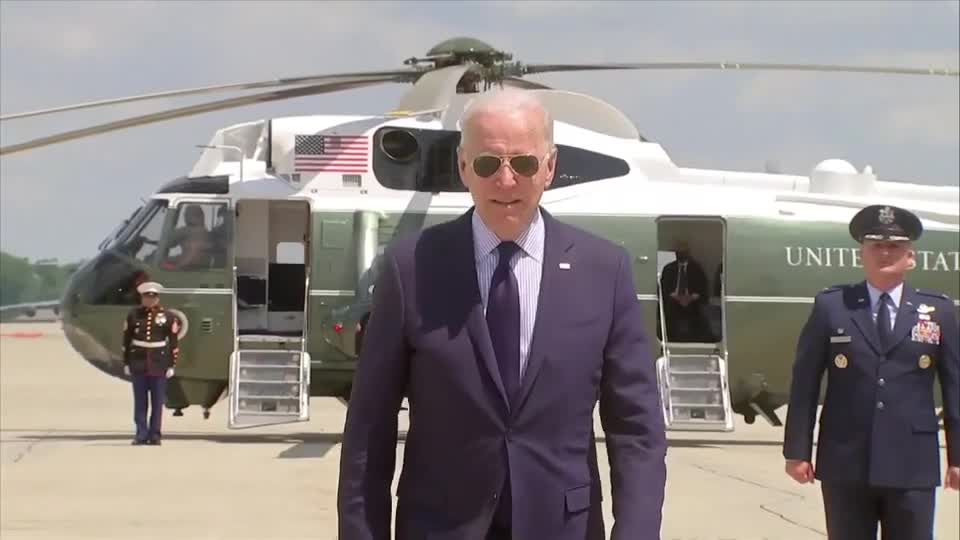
(206, 414)
(749, 418)
(178, 412)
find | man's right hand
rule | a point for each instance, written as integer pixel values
(126, 370)
(801, 471)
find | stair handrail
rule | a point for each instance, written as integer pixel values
(665, 399)
(233, 309)
(663, 318)
(723, 316)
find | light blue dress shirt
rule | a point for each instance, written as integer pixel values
(893, 305)
(527, 267)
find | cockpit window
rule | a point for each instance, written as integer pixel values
(198, 239)
(122, 229)
(142, 235)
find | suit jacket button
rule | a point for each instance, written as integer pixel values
(881, 382)
(879, 404)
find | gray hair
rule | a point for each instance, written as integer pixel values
(507, 100)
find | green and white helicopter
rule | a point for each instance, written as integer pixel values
(268, 247)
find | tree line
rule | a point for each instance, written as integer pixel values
(24, 281)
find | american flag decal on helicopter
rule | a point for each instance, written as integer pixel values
(331, 153)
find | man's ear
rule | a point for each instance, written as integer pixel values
(551, 163)
(462, 166)
(911, 259)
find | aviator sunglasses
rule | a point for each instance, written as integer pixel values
(487, 165)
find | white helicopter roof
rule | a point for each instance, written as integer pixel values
(654, 185)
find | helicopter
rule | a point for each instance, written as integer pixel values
(294, 212)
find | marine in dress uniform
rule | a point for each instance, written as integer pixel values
(150, 351)
(881, 342)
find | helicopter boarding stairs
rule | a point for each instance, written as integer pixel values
(269, 377)
(694, 383)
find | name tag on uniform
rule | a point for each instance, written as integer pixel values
(840, 339)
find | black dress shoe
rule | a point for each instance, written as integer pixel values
(137, 442)
(154, 442)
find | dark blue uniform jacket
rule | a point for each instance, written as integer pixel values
(878, 425)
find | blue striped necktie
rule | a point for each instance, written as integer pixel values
(503, 319)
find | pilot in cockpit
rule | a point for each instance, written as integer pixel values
(194, 242)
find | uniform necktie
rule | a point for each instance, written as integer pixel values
(682, 279)
(503, 318)
(883, 320)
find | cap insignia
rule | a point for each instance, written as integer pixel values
(886, 215)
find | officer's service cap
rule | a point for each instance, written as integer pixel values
(149, 287)
(885, 222)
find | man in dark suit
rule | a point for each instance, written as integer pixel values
(684, 289)
(882, 343)
(503, 328)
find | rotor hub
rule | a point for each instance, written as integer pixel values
(460, 51)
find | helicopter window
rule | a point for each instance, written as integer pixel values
(428, 162)
(116, 275)
(198, 239)
(120, 230)
(290, 253)
(139, 238)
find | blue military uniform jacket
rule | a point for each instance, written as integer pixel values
(878, 425)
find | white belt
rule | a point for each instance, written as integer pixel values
(150, 344)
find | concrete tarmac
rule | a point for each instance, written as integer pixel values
(67, 470)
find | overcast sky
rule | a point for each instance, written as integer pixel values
(60, 201)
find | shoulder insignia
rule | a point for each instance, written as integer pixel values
(832, 288)
(933, 294)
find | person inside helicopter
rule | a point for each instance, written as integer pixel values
(193, 240)
(219, 236)
(684, 287)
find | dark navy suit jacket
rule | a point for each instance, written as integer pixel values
(427, 339)
(878, 426)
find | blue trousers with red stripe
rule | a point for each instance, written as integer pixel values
(148, 390)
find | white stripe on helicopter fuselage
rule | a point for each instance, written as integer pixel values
(182, 290)
(651, 297)
(645, 297)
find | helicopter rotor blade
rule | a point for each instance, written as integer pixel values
(548, 68)
(273, 95)
(274, 83)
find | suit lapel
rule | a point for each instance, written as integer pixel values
(555, 247)
(859, 305)
(906, 316)
(466, 270)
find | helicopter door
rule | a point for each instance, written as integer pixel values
(191, 261)
(270, 368)
(692, 368)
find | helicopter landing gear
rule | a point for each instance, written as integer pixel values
(206, 413)
(749, 418)
(178, 412)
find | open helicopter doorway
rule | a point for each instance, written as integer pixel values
(692, 367)
(690, 256)
(272, 267)
(270, 368)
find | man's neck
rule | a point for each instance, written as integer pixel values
(511, 233)
(885, 284)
